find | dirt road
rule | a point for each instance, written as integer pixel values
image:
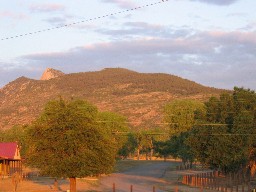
(142, 175)
(142, 178)
(158, 174)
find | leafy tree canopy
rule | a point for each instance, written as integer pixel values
(15, 134)
(229, 143)
(67, 141)
(181, 115)
(115, 125)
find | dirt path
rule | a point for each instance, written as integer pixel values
(161, 175)
(142, 176)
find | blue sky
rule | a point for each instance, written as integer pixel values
(212, 42)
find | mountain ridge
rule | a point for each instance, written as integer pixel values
(138, 96)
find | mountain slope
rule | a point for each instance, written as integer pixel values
(138, 96)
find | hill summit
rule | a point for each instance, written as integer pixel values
(50, 73)
(138, 96)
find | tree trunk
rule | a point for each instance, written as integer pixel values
(138, 154)
(72, 181)
(190, 164)
(151, 153)
(56, 185)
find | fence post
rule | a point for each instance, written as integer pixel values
(131, 188)
(154, 189)
(114, 187)
(222, 188)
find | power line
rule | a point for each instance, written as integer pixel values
(83, 21)
(228, 134)
(156, 123)
(126, 133)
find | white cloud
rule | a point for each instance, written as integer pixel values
(121, 3)
(47, 7)
(217, 2)
(12, 15)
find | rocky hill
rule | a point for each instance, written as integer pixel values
(138, 96)
(50, 73)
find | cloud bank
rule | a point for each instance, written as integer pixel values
(213, 58)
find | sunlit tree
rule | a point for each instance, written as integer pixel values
(67, 141)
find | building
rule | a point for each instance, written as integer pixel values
(10, 159)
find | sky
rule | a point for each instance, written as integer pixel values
(211, 42)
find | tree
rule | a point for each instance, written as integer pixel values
(228, 141)
(216, 147)
(15, 134)
(181, 115)
(115, 125)
(152, 137)
(163, 148)
(181, 149)
(129, 146)
(67, 141)
(140, 141)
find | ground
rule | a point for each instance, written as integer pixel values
(142, 175)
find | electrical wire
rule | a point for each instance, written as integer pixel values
(83, 21)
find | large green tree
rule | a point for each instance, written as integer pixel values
(227, 139)
(67, 141)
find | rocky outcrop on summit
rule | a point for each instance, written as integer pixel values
(50, 73)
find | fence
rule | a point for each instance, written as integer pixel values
(176, 189)
(216, 181)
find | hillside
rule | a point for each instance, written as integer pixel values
(138, 96)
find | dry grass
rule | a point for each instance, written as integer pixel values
(46, 184)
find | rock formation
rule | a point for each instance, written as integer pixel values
(50, 73)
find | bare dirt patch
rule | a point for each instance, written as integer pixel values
(142, 175)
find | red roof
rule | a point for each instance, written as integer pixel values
(7, 150)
